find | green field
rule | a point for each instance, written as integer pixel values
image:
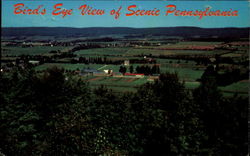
(103, 51)
(115, 83)
(157, 52)
(187, 44)
(187, 70)
(186, 74)
(67, 66)
(36, 50)
(241, 87)
(143, 51)
(236, 54)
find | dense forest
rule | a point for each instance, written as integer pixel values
(53, 113)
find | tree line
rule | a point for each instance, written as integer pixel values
(144, 69)
(228, 77)
(58, 114)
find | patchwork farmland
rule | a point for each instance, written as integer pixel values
(105, 62)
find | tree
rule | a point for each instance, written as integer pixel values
(36, 116)
(131, 69)
(170, 118)
(155, 69)
(122, 69)
(222, 120)
(138, 69)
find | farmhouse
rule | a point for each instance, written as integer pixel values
(126, 63)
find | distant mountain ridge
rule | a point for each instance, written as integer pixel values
(98, 31)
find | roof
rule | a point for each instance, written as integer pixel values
(91, 71)
(132, 74)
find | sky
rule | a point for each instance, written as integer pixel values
(9, 19)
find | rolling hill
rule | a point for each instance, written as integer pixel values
(102, 31)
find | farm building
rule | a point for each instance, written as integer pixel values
(34, 62)
(85, 72)
(108, 71)
(126, 63)
(133, 75)
(153, 78)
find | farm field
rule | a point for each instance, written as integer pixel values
(189, 76)
(103, 51)
(117, 84)
(144, 51)
(125, 84)
(236, 54)
(36, 50)
(241, 87)
(78, 66)
(158, 52)
(67, 66)
(188, 44)
(185, 74)
(170, 57)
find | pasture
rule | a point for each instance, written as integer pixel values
(102, 51)
(185, 74)
(117, 84)
(135, 51)
(36, 50)
(67, 66)
(241, 87)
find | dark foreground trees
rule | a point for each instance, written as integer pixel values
(224, 119)
(54, 114)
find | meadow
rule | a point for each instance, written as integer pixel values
(36, 50)
(103, 51)
(67, 66)
(135, 51)
(241, 87)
